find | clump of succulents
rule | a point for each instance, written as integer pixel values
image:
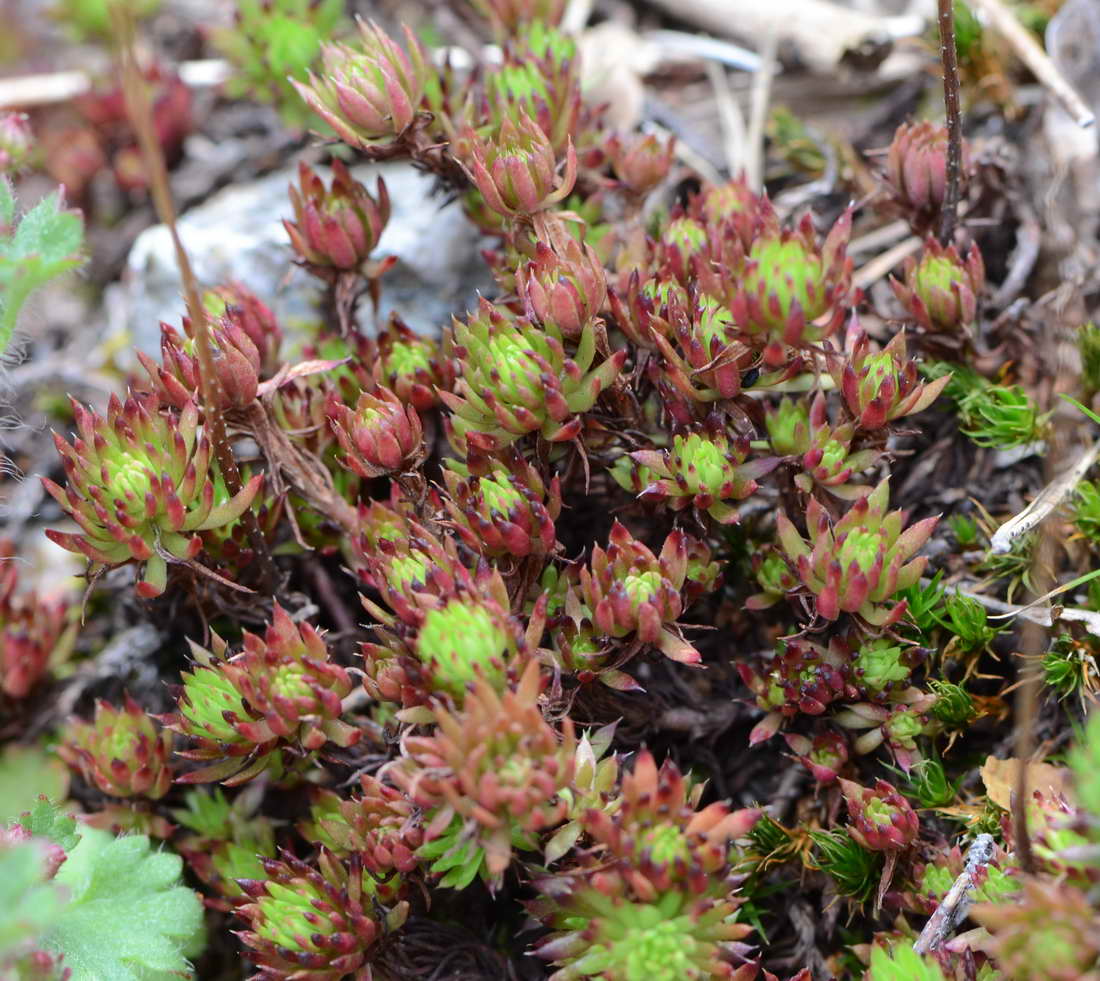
(282, 691)
(654, 895)
(658, 428)
(489, 779)
(633, 593)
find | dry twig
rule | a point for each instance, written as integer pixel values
(955, 905)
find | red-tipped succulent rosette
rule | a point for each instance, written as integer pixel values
(859, 563)
(369, 95)
(335, 229)
(634, 593)
(881, 386)
(123, 751)
(140, 486)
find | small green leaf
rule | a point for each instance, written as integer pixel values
(47, 820)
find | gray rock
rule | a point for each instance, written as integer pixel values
(238, 234)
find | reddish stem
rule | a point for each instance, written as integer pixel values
(950, 58)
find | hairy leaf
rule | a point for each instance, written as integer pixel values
(129, 917)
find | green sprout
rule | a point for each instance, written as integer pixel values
(954, 706)
(964, 528)
(1086, 510)
(853, 869)
(1088, 344)
(993, 416)
(927, 784)
(968, 621)
(1070, 667)
(924, 600)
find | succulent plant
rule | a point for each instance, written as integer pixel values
(539, 77)
(515, 169)
(941, 288)
(564, 286)
(640, 162)
(517, 379)
(335, 228)
(774, 577)
(860, 563)
(380, 436)
(236, 304)
(370, 97)
(824, 755)
(410, 365)
(802, 678)
(288, 679)
(35, 632)
(509, 17)
(879, 666)
(898, 727)
(632, 592)
(881, 818)
(786, 292)
(916, 171)
(235, 357)
(411, 567)
(507, 511)
(731, 202)
(828, 460)
(318, 922)
(281, 691)
(705, 469)
(123, 752)
(380, 824)
(704, 352)
(464, 635)
(879, 387)
(140, 488)
(489, 776)
(654, 898)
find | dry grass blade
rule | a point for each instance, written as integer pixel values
(1005, 23)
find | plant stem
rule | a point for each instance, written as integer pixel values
(950, 58)
(141, 118)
